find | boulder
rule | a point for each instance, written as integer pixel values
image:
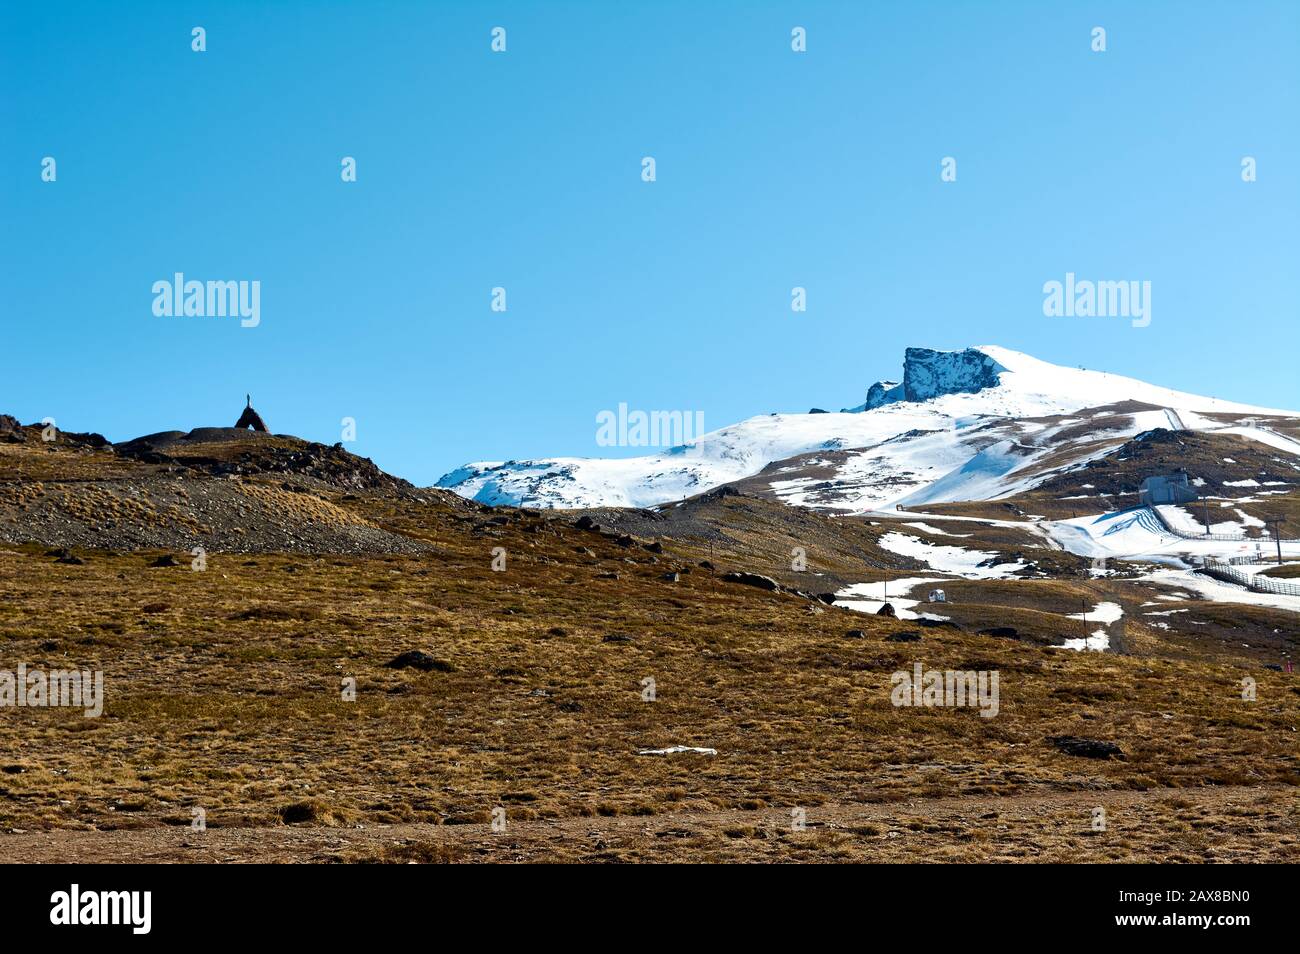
(752, 579)
(1087, 748)
(1003, 632)
(726, 490)
(415, 659)
(932, 623)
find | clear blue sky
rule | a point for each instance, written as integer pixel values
(522, 170)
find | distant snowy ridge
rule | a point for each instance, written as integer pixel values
(943, 443)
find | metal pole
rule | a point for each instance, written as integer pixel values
(1276, 524)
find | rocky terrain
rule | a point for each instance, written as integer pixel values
(219, 489)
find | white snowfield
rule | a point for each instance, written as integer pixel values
(968, 564)
(953, 446)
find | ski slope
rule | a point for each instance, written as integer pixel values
(1137, 535)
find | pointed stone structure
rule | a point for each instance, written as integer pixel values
(251, 418)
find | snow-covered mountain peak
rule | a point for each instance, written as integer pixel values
(1073, 388)
(960, 425)
(1027, 385)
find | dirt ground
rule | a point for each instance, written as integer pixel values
(1232, 824)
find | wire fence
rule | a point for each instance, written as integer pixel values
(1226, 571)
(1189, 535)
(1219, 537)
(1247, 560)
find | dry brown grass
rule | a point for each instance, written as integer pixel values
(223, 692)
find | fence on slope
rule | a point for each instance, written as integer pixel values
(1221, 537)
(1229, 573)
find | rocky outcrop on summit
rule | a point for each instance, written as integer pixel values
(227, 451)
(883, 392)
(223, 489)
(250, 418)
(928, 374)
(13, 431)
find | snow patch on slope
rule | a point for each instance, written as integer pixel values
(971, 564)
(869, 597)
